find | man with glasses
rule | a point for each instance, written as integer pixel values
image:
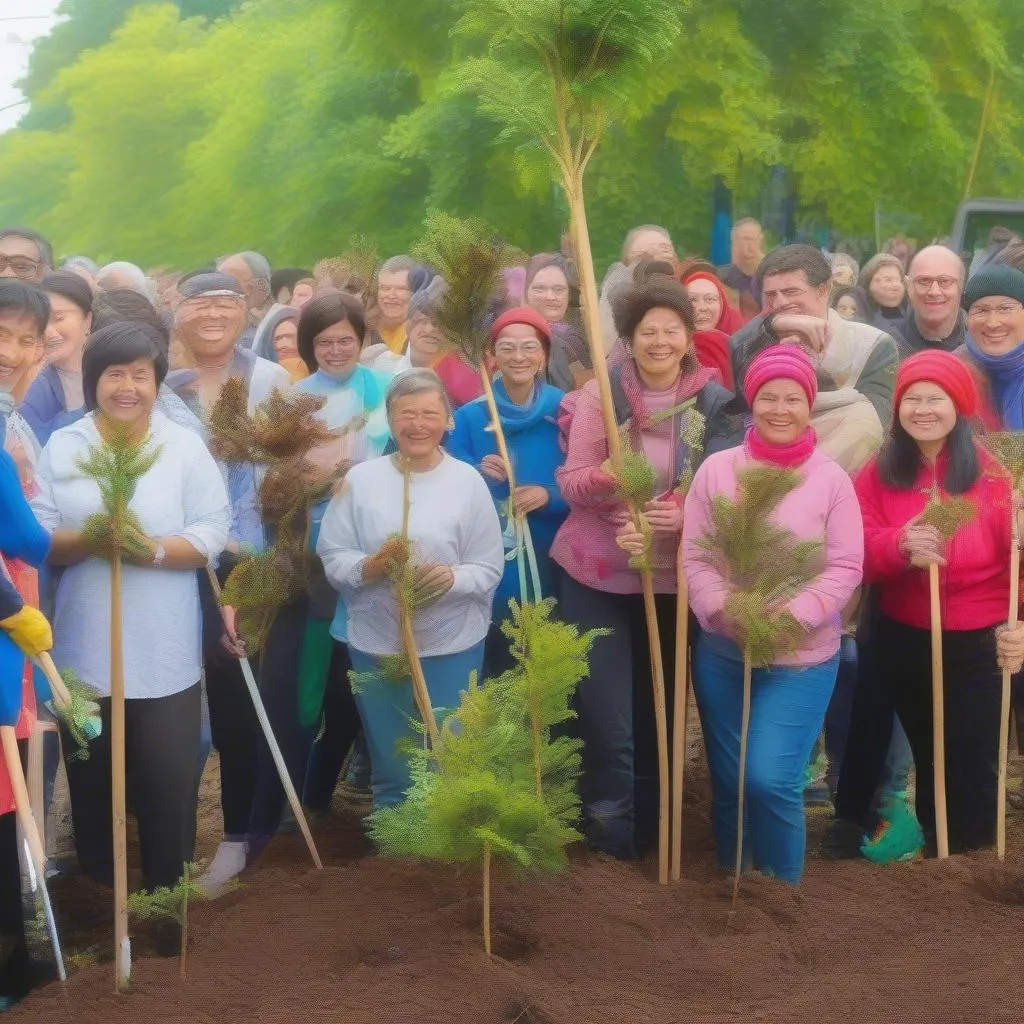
(24, 254)
(935, 282)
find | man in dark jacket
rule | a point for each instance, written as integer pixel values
(935, 284)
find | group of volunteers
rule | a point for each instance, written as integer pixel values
(876, 387)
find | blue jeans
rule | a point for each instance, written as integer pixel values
(389, 714)
(786, 713)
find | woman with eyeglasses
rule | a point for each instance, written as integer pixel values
(930, 453)
(305, 660)
(520, 342)
(551, 291)
(994, 301)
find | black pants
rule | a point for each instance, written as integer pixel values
(234, 728)
(161, 739)
(616, 715)
(279, 687)
(15, 967)
(972, 688)
(341, 725)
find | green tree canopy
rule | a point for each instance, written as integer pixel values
(172, 132)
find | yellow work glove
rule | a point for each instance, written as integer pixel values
(30, 630)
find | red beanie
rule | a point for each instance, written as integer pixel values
(780, 362)
(523, 315)
(944, 369)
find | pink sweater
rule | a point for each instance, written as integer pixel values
(824, 507)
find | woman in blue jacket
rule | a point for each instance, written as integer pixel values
(520, 342)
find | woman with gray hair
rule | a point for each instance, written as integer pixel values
(458, 555)
(125, 275)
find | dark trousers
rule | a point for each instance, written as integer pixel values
(616, 715)
(972, 689)
(161, 737)
(234, 728)
(341, 725)
(15, 967)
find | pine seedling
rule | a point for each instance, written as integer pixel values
(1008, 448)
(80, 716)
(473, 797)
(279, 436)
(171, 904)
(551, 659)
(764, 566)
(948, 514)
(117, 465)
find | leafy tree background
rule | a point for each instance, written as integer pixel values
(167, 133)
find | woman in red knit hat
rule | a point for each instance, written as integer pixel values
(931, 453)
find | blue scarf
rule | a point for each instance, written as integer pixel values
(543, 404)
(1006, 378)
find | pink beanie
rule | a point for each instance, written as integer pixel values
(788, 362)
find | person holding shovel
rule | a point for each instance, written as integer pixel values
(931, 456)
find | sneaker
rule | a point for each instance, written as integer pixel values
(897, 838)
(228, 862)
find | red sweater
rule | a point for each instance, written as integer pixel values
(974, 585)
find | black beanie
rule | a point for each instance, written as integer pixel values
(70, 286)
(1004, 281)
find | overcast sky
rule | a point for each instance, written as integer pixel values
(21, 21)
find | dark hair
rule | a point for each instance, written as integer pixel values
(1012, 255)
(42, 245)
(125, 304)
(20, 297)
(69, 286)
(543, 260)
(900, 460)
(287, 277)
(117, 344)
(644, 270)
(635, 301)
(318, 314)
(790, 258)
(858, 298)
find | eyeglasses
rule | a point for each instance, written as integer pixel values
(340, 344)
(1004, 311)
(23, 266)
(510, 348)
(924, 284)
(220, 305)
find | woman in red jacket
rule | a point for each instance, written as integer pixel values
(931, 452)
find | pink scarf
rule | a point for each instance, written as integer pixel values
(785, 455)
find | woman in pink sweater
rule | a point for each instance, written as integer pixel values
(789, 698)
(930, 452)
(652, 388)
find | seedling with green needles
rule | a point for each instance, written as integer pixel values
(765, 566)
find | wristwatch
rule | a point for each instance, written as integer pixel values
(159, 555)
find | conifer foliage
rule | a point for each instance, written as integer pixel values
(495, 786)
(765, 566)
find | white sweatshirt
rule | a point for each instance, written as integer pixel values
(452, 521)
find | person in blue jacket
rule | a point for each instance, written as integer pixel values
(520, 342)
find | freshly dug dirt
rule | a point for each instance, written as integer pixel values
(368, 941)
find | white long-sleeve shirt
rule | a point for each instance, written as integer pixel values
(452, 521)
(182, 495)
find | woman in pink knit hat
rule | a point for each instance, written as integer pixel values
(789, 697)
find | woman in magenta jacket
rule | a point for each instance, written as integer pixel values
(789, 697)
(931, 452)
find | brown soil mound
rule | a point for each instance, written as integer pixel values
(369, 940)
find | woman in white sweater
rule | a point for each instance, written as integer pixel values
(457, 548)
(182, 510)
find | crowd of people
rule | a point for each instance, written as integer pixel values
(876, 385)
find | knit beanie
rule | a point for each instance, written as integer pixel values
(780, 362)
(944, 369)
(523, 315)
(994, 280)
